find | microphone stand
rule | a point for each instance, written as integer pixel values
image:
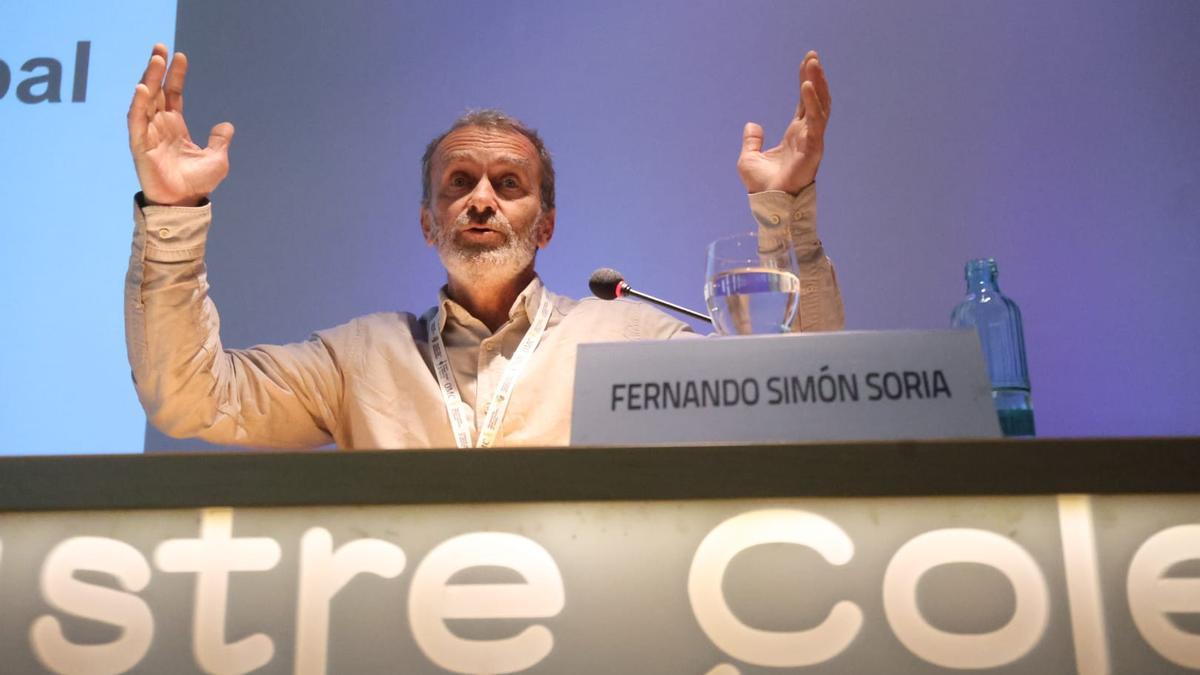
(626, 289)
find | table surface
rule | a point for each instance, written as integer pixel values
(728, 471)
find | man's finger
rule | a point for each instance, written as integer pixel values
(220, 137)
(153, 137)
(752, 138)
(154, 75)
(137, 117)
(816, 75)
(176, 75)
(814, 114)
(159, 50)
(810, 56)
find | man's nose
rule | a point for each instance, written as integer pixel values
(481, 204)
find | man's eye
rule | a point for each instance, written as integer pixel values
(510, 182)
(458, 180)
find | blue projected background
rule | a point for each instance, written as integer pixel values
(66, 186)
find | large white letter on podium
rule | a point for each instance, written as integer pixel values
(763, 647)
(126, 610)
(431, 600)
(965, 650)
(212, 557)
(1151, 595)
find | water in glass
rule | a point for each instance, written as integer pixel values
(753, 286)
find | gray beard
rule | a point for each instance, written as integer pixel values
(481, 263)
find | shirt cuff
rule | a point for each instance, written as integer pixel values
(775, 208)
(173, 233)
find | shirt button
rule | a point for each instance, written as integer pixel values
(798, 215)
(164, 233)
(489, 347)
(774, 219)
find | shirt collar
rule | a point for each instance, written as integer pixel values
(525, 305)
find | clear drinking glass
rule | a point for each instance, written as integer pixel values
(753, 284)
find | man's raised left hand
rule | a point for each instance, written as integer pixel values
(792, 165)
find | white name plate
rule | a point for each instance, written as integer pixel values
(857, 385)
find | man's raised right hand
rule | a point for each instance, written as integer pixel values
(171, 168)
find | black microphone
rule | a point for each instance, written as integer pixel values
(608, 284)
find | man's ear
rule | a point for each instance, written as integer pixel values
(546, 230)
(427, 225)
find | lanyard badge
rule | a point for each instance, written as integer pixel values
(460, 415)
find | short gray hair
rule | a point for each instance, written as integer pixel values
(490, 118)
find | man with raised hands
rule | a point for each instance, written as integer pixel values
(491, 364)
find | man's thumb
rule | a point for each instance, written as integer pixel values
(220, 136)
(752, 138)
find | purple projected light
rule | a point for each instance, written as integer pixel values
(1058, 139)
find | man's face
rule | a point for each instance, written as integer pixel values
(484, 214)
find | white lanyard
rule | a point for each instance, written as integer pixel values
(462, 418)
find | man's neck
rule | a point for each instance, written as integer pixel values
(489, 300)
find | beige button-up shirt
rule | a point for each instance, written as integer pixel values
(369, 383)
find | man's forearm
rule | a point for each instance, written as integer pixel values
(187, 383)
(820, 299)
